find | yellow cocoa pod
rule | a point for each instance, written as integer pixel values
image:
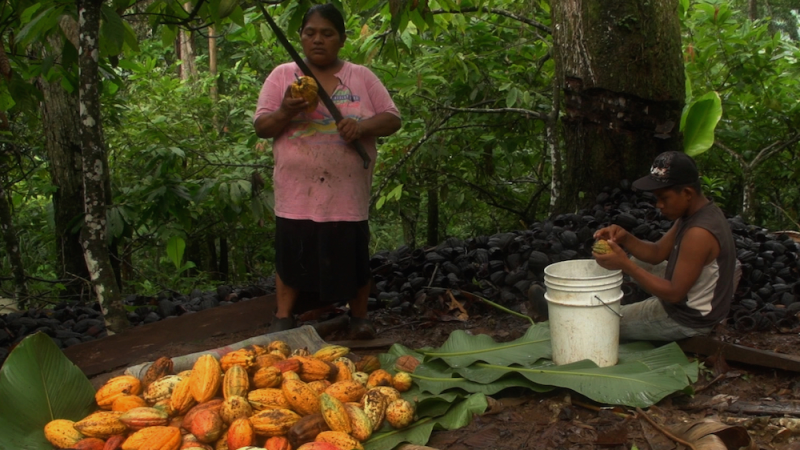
(379, 377)
(267, 377)
(301, 352)
(161, 389)
(240, 434)
(167, 438)
(137, 439)
(341, 440)
(347, 391)
(334, 413)
(391, 394)
(343, 371)
(126, 402)
(360, 425)
(361, 377)
(235, 407)
(346, 361)
(331, 352)
(235, 382)
(205, 379)
(601, 247)
(242, 357)
(319, 386)
(117, 387)
(400, 413)
(268, 398)
(181, 399)
(306, 88)
(62, 433)
(102, 424)
(303, 398)
(274, 422)
(402, 381)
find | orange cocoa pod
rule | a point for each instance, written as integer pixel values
(301, 396)
(343, 372)
(313, 369)
(168, 438)
(138, 438)
(368, 364)
(188, 441)
(241, 434)
(279, 347)
(126, 402)
(207, 426)
(278, 443)
(268, 360)
(274, 422)
(319, 386)
(340, 439)
(287, 365)
(360, 425)
(117, 387)
(181, 400)
(62, 433)
(235, 382)
(318, 446)
(267, 377)
(406, 363)
(160, 368)
(379, 377)
(267, 398)
(346, 391)
(206, 378)
(402, 381)
(213, 405)
(242, 357)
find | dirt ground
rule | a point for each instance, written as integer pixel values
(563, 420)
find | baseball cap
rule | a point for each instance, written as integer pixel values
(669, 169)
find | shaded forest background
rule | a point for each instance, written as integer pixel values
(150, 163)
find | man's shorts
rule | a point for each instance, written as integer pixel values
(329, 258)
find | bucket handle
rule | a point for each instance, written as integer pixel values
(608, 306)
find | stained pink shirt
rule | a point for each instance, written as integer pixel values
(317, 175)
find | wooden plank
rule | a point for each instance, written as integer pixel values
(707, 346)
(148, 342)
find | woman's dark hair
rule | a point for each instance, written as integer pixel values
(328, 12)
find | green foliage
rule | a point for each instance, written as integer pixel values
(39, 384)
(698, 123)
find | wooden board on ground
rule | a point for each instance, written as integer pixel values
(708, 346)
(148, 342)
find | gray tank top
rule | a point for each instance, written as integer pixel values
(709, 300)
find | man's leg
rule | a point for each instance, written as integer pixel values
(358, 306)
(648, 321)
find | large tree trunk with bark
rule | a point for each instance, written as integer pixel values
(12, 250)
(622, 79)
(63, 144)
(95, 171)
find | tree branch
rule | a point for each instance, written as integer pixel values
(499, 12)
(774, 148)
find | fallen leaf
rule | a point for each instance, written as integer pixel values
(710, 434)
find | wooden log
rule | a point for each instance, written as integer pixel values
(706, 346)
(731, 404)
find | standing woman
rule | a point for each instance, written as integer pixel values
(322, 190)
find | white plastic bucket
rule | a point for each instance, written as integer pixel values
(583, 302)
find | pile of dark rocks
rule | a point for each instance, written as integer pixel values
(501, 268)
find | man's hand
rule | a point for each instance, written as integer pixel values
(613, 233)
(617, 259)
(349, 129)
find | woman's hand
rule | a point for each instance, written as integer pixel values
(292, 106)
(349, 129)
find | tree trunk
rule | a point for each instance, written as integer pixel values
(63, 145)
(188, 67)
(620, 70)
(12, 249)
(95, 171)
(224, 270)
(432, 237)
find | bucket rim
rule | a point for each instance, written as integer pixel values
(618, 299)
(610, 274)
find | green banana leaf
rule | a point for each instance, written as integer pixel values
(459, 415)
(698, 122)
(436, 377)
(462, 349)
(637, 382)
(39, 384)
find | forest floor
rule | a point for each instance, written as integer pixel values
(562, 419)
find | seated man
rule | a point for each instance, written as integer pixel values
(697, 288)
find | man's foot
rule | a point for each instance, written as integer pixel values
(362, 329)
(536, 297)
(282, 324)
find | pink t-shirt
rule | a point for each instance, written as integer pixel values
(317, 175)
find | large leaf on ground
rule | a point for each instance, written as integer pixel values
(639, 381)
(462, 349)
(38, 384)
(419, 432)
(436, 377)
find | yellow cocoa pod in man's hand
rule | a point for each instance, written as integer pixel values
(306, 88)
(601, 247)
